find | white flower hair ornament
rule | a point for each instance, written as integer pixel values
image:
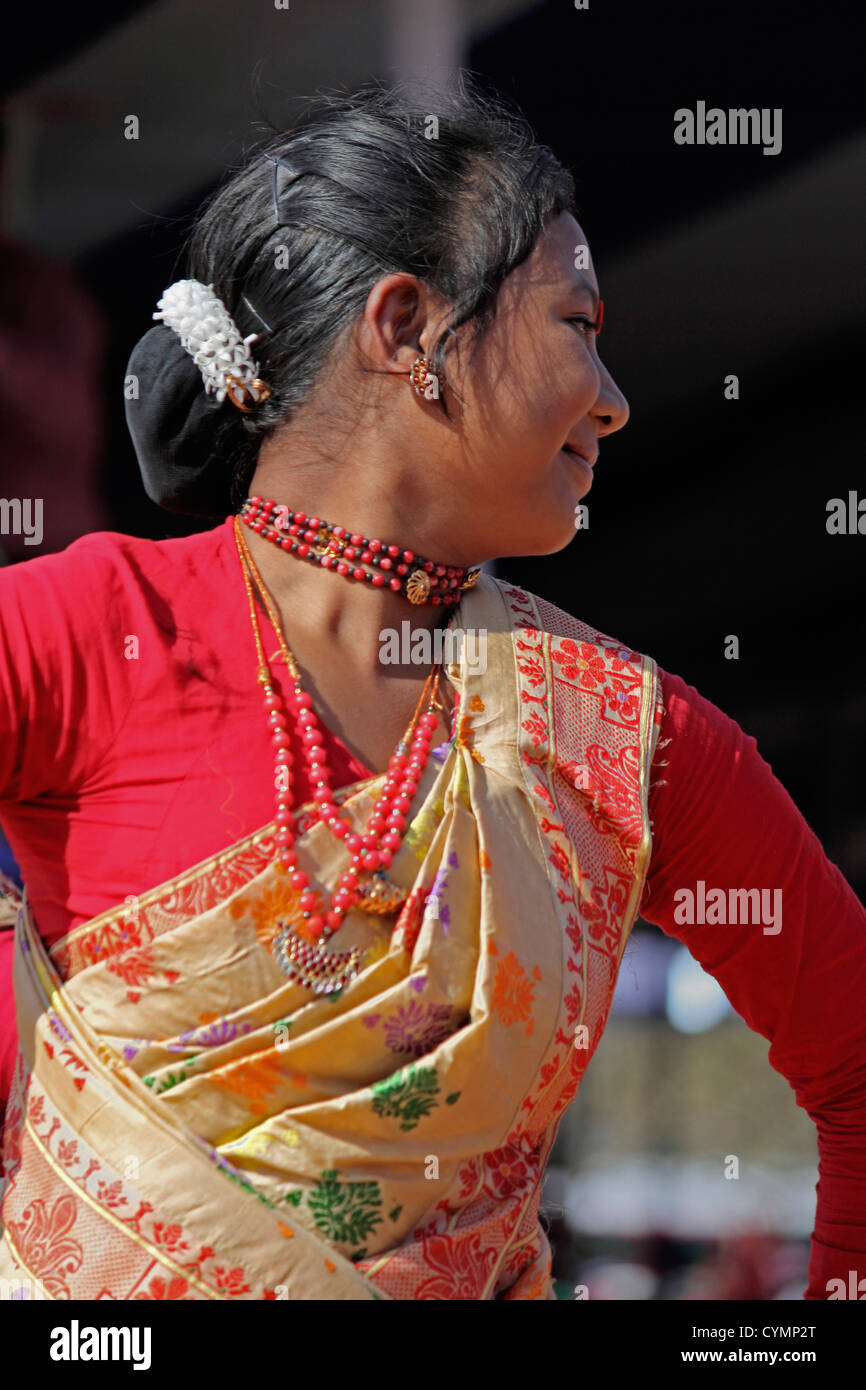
(210, 335)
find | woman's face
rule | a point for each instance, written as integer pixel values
(535, 384)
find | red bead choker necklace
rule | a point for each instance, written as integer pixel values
(364, 559)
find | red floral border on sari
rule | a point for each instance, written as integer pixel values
(63, 1236)
(592, 832)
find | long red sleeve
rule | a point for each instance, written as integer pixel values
(722, 817)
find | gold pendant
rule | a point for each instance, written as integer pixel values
(418, 586)
(470, 579)
(326, 544)
(324, 972)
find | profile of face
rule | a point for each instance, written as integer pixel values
(536, 390)
(501, 474)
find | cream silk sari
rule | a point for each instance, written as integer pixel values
(188, 1123)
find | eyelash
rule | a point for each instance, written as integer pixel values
(591, 324)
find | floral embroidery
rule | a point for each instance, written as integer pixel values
(409, 1095)
(420, 830)
(559, 860)
(256, 1078)
(602, 906)
(439, 882)
(580, 662)
(137, 968)
(618, 693)
(110, 1194)
(434, 904)
(462, 1267)
(535, 727)
(164, 1289)
(531, 667)
(616, 806)
(508, 1168)
(534, 1282)
(47, 1249)
(466, 737)
(408, 924)
(279, 902)
(513, 992)
(231, 1281)
(578, 774)
(285, 1134)
(157, 914)
(606, 669)
(170, 1237)
(213, 1034)
(57, 1027)
(111, 939)
(416, 1028)
(345, 1212)
(171, 1079)
(67, 1152)
(44, 1230)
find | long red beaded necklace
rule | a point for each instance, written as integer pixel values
(363, 883)
(334, 547)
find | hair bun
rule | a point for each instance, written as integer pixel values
(172, 421)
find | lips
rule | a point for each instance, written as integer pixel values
(588, 455)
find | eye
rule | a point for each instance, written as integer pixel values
(586, 324)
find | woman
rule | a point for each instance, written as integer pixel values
(317, 947)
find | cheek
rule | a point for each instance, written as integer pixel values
(524, 401)
(536, 399)
(565, 376)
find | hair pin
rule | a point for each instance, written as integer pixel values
(277, 161)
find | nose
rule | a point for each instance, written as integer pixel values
(611, 409)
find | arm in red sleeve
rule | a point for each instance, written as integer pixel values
(722, 819)
(60, 703)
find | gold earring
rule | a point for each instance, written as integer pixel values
(424, 379)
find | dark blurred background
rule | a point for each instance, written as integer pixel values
(708, 516)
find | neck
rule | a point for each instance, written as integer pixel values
(323, 606)
(405, 505)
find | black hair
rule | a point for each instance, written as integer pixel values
(448, 183)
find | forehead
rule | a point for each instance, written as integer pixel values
(561, 259)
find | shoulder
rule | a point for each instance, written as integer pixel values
(594, 689)
(700, 739)
(106, 569)
(66, 616)
(568, 633)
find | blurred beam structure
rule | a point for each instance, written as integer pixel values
(426, 40)
(198, 74)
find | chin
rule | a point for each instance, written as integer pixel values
(565, 539)
(546, 540)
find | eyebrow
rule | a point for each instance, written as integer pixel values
(584, 283)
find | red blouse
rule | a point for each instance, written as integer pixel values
(148, 646)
